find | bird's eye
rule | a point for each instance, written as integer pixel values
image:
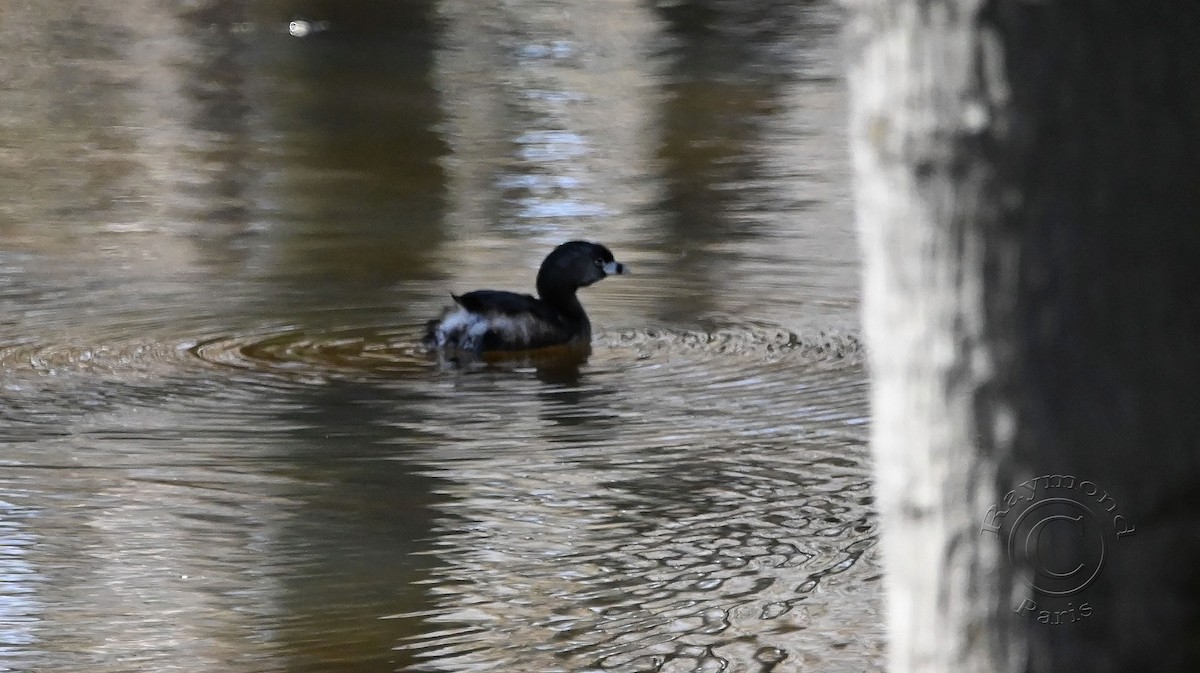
(598, 261)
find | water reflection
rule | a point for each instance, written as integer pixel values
(663, 529)
(20, 610)
(221, 446)
(354, 544)
(549, 125)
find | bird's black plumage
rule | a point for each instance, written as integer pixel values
(500, 301)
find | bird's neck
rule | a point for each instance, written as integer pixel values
(566, 303)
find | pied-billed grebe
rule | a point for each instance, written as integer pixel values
(493, 320)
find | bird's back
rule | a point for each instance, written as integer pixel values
(495, 320)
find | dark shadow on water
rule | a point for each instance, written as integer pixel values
(729, 63)
(355, 549)
(358, 118)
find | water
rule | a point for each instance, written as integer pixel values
(221, 447)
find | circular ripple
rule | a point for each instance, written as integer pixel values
(351, 352)
(290, 352)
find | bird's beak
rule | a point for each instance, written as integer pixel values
(615, 268)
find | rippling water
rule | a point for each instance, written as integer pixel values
(221, 446)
